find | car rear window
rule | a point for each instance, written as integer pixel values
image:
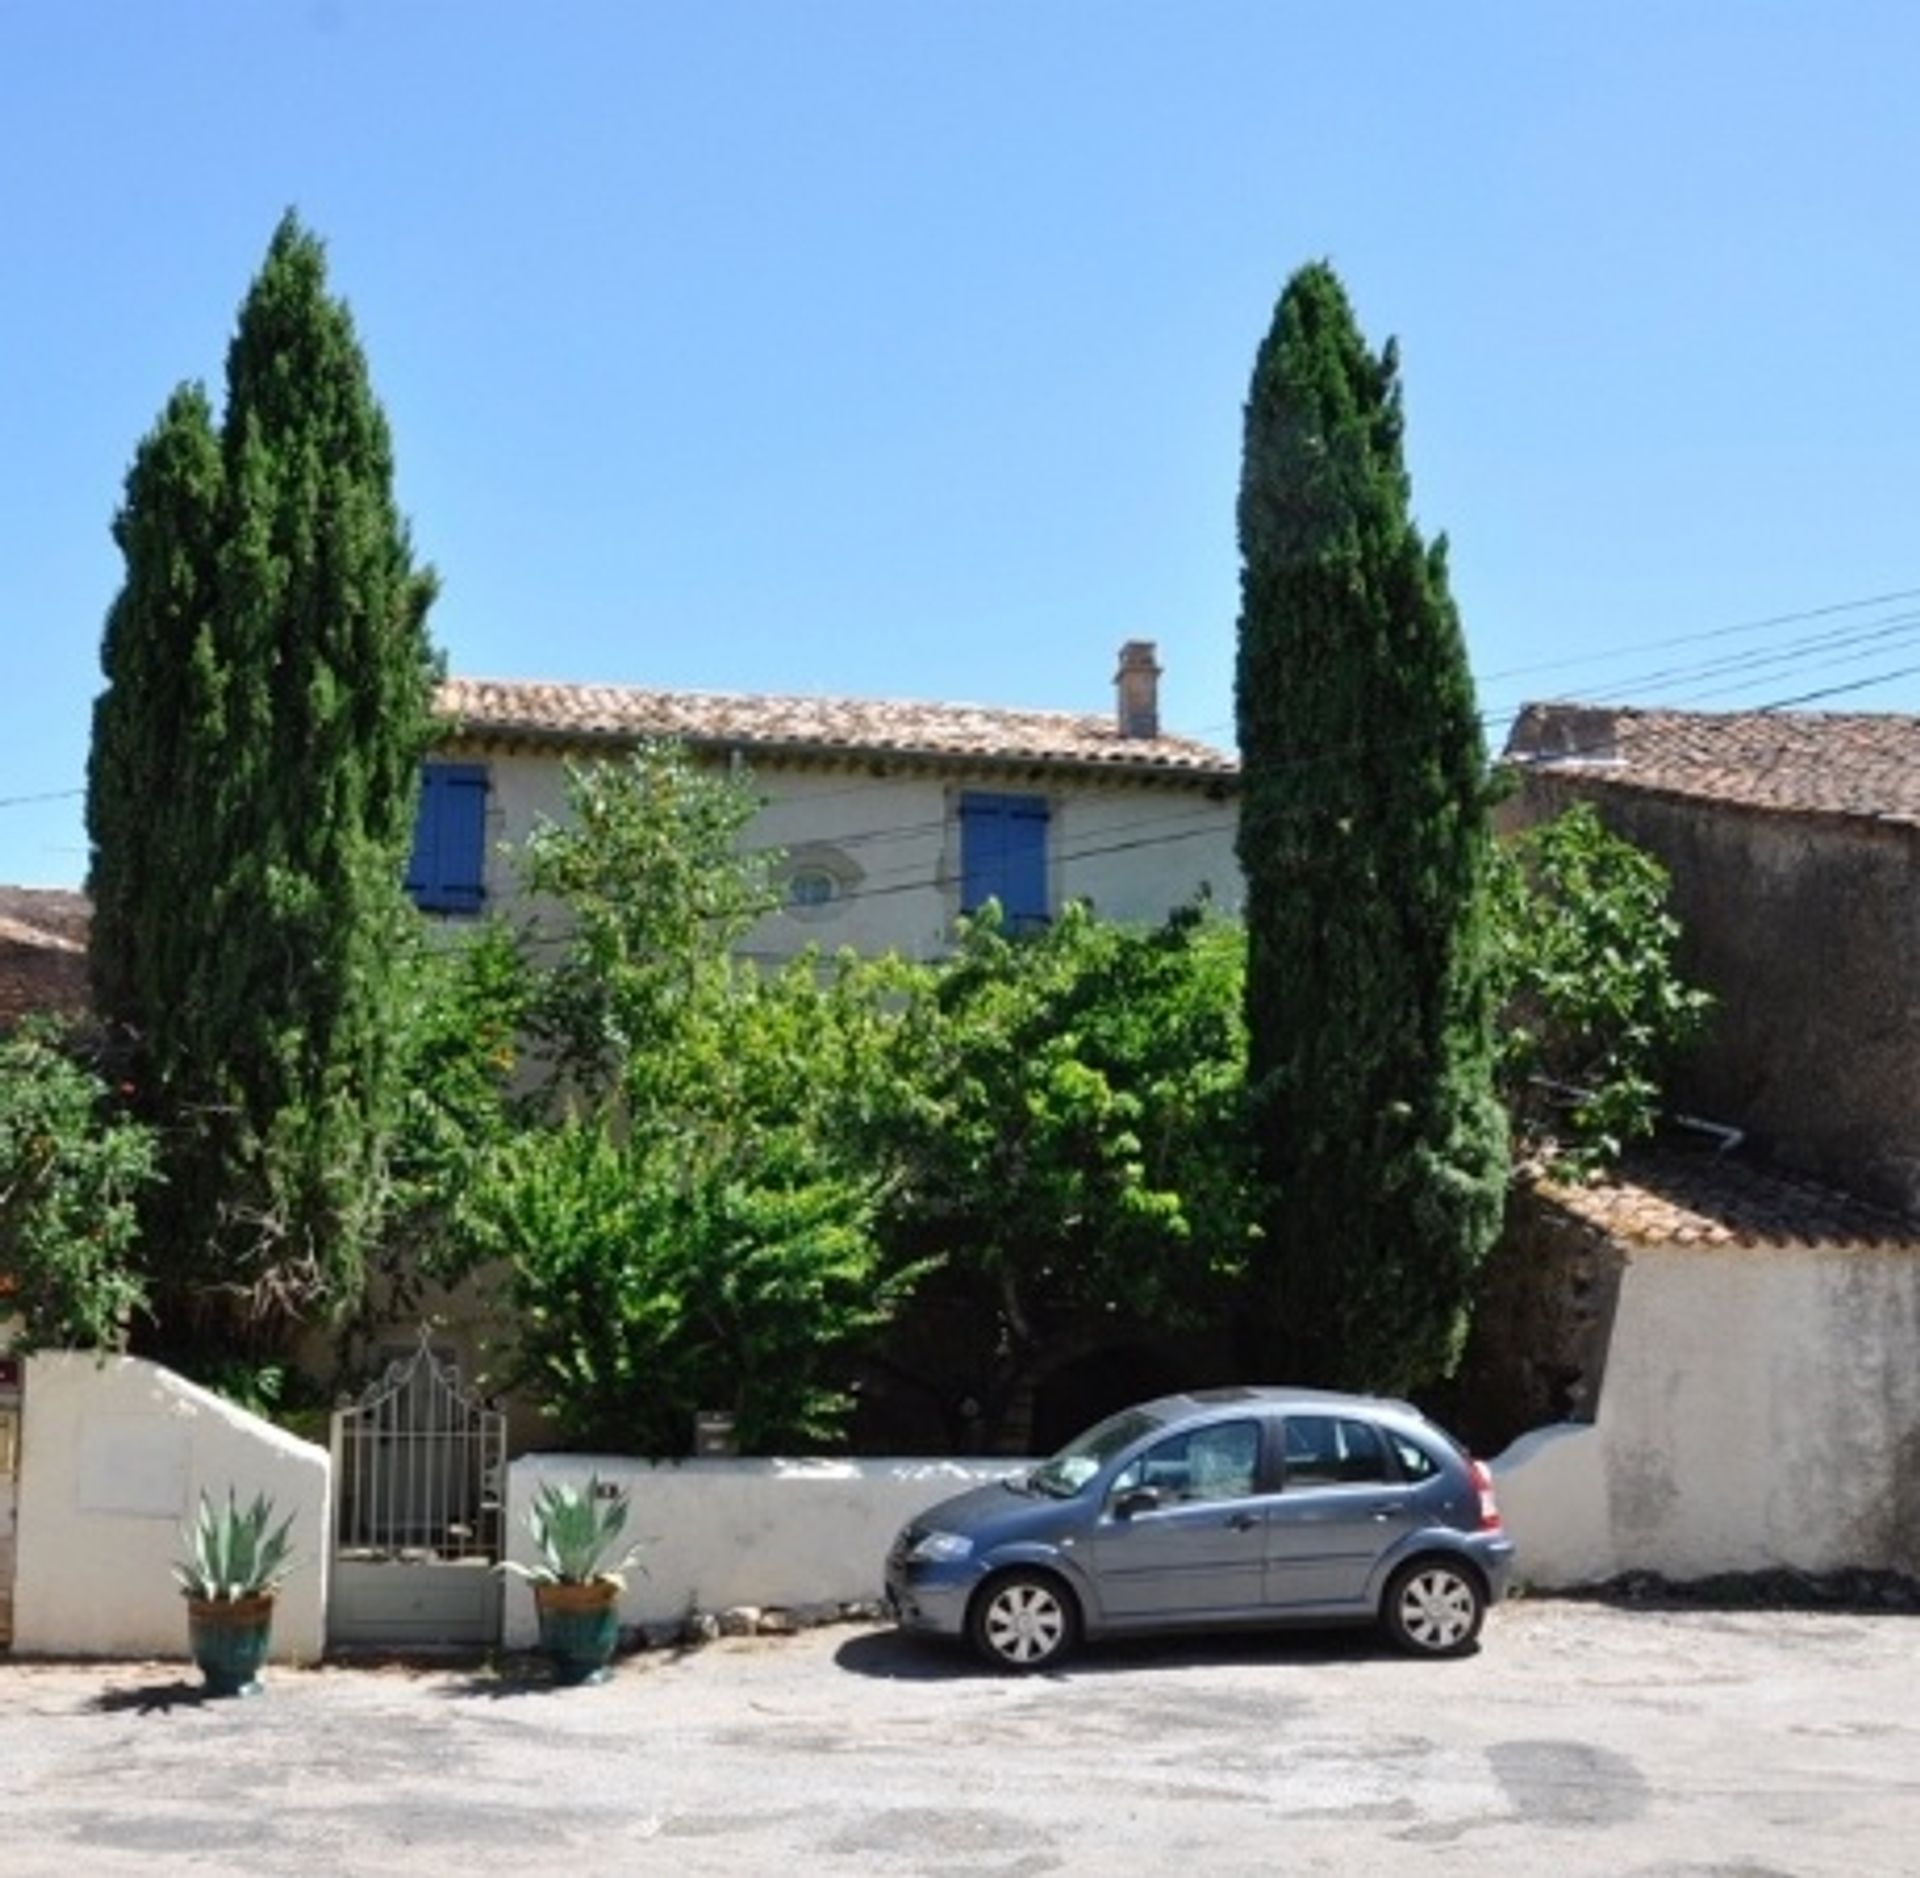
(1415, 1462)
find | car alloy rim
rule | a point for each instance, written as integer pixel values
(1436, 1609)
(1025, 1623)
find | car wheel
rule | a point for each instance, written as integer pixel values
(1434, 1607)
(1024, 1621)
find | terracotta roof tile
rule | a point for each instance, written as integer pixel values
(43, 952)
(1798, 762)
(1719, 1200)
(569, 713)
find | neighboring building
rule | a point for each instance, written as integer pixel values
(43, 953)
(893, 818)
(1793, 841)
(1760, 1409)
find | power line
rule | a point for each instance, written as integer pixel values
(1634, 648)
(48, 795)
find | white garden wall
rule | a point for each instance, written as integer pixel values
(114, 1455)
(759, 1532)
(1760, 1409)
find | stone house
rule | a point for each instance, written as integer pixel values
(892, 819)
(1725, 1338)
(1793, 842)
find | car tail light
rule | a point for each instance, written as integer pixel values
(1483, 1485)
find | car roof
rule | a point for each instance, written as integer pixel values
(1271, 1395)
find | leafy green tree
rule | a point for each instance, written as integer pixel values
(1594, 1009)
(690, 1225)
(1067, 1134)
(461, 1017)
(72, 1166)
(1364, 843)
(250, 803)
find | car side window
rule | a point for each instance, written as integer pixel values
(1333, 1450)
(1216, 1463)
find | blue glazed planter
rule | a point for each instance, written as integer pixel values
(579, 1627)
(229, 1642)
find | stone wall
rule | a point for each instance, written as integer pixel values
(1803, 927)
(1543, 1314)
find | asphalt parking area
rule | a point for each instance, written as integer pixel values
(1581, 1738)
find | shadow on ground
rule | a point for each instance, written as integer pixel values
(896, 1656)
(155, 1698)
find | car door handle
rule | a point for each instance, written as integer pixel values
(1243, 1522)
(1386, 1509)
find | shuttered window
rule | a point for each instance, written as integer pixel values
(1003, 856)
(449, 867)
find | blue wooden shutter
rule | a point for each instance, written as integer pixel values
(448, 871)
(1003, 855)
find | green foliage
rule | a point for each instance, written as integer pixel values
(576, 1529)
(250, 801)
(1594, 1008)
(653, 891)
(460, 1019)
(1364, 843)
(688, 1227)
(234, 1552)
(71, 1170)
(1066, 1121)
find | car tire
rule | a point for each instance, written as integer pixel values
(1434, 1607)
(1024, 1621)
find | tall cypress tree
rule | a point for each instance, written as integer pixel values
(1365, 844)
(256, 757)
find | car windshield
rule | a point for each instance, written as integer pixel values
(1084, 1456)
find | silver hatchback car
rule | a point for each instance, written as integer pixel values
(1222, 1508)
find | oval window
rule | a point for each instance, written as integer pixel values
(811, 887)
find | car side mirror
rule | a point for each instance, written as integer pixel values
(1136, 1500)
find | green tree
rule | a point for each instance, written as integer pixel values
(1593, 1007)
(689, 1225)
(1364, 844)
(1067, 1135)
(250, 802)
(71, 1168)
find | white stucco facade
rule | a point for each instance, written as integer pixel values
(890, 841)
(724, 1533)
(1760, 1409)
(115, 1453)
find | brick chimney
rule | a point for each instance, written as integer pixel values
(1137, 690)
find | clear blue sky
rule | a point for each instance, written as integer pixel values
(897, 347)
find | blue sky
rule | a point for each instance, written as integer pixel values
(897, 347)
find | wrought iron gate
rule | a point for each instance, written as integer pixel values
(419, 1491)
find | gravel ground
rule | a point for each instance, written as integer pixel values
(1582, 1738)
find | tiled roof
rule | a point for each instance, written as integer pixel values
(1798, 762)
(1682, 1199)
(58, 911)
(563, 713)
(43, 952)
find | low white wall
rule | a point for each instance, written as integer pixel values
(763, 1532)
(114, 1455)
(1761, 1409)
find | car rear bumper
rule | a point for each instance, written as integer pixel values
(1495, 1557)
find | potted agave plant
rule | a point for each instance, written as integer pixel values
(577, 1583)
(236, 1558)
